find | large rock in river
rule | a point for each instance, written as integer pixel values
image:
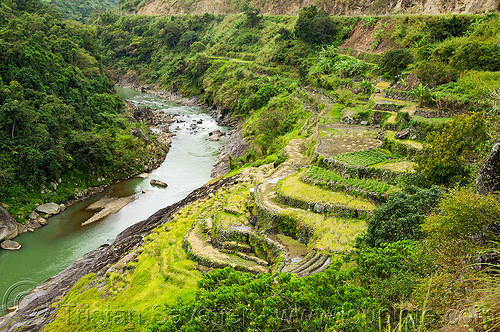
(8, 225)
(10, 245)
(158, 183)
(488, 178)
(49, 208)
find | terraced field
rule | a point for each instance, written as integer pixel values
(296, 217)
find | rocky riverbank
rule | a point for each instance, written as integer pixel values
(236, 145)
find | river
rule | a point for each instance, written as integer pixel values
(50, 249)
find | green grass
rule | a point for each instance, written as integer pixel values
(364, 158)
(293, 187)
(325, 177)
(430, 120)
(161, 274)
(331, 233)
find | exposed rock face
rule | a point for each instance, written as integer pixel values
(488, 179)
(49, 208)
(33, 215)
(235, 147)
(215, 135)
(10, 245)
(8, 225)
(335, 7)
(34, 311)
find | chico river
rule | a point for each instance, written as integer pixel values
(52, 248)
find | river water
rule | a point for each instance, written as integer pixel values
(52, 248)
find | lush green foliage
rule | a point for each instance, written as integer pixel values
(389, 271)
(59, 114)
(233, 301)
(464, 226)
(325, 176)
(82, 10)
(315, 26)
(451, 151)
(365, 157)
(395, 61)
(401, 217)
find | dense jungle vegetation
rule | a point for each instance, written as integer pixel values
(429, 256)
(81, 10)
(60, 120)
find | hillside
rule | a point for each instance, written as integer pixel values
(358, 189)
(291, 7)
(353, 206)
(82, 10)
(62, 126)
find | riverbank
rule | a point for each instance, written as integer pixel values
(236, 144)
(34, 311)
(158, 137)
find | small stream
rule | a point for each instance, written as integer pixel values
(52, 248)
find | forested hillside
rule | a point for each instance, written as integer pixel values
(61, 124)
(363, 195)
(82, 10)
(355, 205)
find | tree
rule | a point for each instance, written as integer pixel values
(315, 27)
(450, 152)
(251, 13)
(395, 61)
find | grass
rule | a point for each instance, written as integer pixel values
(293, 187)
(430, 120)
(399, 166)
(364, 158)
(325, 177)
(331, 233)
(162, 274)
(416, 144)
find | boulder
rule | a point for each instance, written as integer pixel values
(8, 225)
(158, 183)
(10, 245)
(41, 221)
(33, 215)
(488, 178)
(62, 207)
(364, 123)
(403, 134)
(49, 208)
(214, 135)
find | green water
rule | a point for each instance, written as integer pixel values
(52, 248)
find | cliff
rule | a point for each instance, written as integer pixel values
(335, 7)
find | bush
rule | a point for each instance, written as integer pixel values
(395, 61)
(400, 218)
(466, 224)
(448, 157)
(388, 272)
(234, 301)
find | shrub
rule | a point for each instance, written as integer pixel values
(465, 225)
(388, 271)
(400, 218)
(395, 61)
